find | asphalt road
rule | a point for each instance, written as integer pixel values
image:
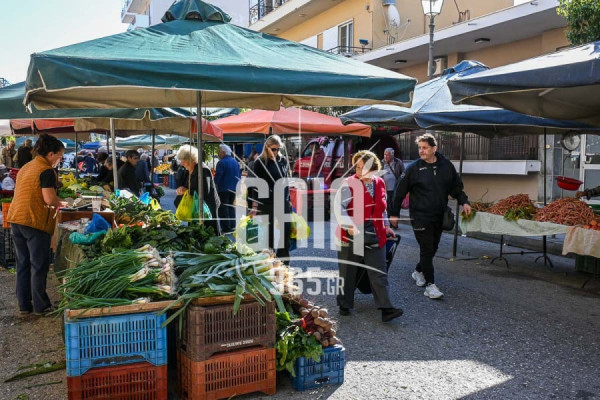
(524, 332)
(521, 332)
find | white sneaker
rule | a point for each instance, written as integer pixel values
(433, 292)
(419, 278)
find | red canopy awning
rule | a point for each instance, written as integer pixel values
(55, 125)
(289, 121)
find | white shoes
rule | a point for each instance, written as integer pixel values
(419, 278)
(433, 292)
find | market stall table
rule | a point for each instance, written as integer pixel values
(585, 242)
(497, 225)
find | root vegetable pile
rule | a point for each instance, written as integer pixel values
(480, 206)
(315, 320)
(514, 207)
(568, 211)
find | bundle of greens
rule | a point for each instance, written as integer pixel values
(132, 210)
(207, 275)
(121, 278)
(294, 342)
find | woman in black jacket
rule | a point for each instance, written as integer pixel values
(271, 166)
(188, 156)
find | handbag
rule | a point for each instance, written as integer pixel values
(370, 235)
(448, 220)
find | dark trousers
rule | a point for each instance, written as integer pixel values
(390, 197)
(33, 262)
(227, 211)
(428, 236)
(373, 258)
(283, 252)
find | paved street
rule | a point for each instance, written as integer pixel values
(524, 332)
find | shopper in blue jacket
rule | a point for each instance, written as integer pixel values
(226, 178)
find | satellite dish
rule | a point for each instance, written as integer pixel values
(570, 141)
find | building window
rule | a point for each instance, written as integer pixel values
(346, 38)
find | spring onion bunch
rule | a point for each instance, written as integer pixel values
(260, 275)
(122, 278)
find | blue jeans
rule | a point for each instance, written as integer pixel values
(32, 248)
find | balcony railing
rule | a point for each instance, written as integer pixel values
(476, 147)
(262, 8)
(349, 51)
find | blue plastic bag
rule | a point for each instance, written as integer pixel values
(145, 198)
(80, 238)
(97, 224)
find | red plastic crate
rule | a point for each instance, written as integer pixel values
(141, 381)
(208, 330)
(227, 375)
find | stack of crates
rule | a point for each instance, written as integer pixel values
(221, 355)
(8, 256)
(117, 357)
(172, 182)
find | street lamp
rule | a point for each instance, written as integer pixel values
(431, 8)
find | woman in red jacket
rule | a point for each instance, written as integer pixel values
(363, 233)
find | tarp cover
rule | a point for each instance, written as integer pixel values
(497, 225)
(561, 85)
(164, 65)
(432, 108)
(289, 121)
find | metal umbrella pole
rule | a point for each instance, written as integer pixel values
(200, 156)
(114, 154)
(460, 169)
(152, 156)
(76, 169)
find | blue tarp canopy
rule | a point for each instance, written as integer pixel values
(91, 146)
(432, 108)
(562, 85)
(69, 144)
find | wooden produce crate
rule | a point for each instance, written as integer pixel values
(65, 216)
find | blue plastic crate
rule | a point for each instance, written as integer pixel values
(328, 371)
(172, 182)
(115, 340)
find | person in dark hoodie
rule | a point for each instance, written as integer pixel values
(429, 181)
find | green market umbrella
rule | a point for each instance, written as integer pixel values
(197, 58)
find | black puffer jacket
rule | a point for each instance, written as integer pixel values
(429, 186)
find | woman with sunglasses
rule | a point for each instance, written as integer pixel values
(271, 166)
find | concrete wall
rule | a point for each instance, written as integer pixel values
(500, 186)
(495, 56)
(354, 10)
(370, 21)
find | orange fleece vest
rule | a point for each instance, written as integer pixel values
(28, 207)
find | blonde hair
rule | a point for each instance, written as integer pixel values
(366, 156)
(187, 153)
(271, 140)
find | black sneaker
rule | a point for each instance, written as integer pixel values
(24, 313)
(46, 311)
(344, 311)
(388, 314)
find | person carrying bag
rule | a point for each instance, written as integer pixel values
(371, 223)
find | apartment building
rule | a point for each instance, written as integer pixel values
(394, 34)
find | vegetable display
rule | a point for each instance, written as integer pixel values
(514, 207)
(567, 211)
(261, 276)
(294, 342)
(122, 278)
